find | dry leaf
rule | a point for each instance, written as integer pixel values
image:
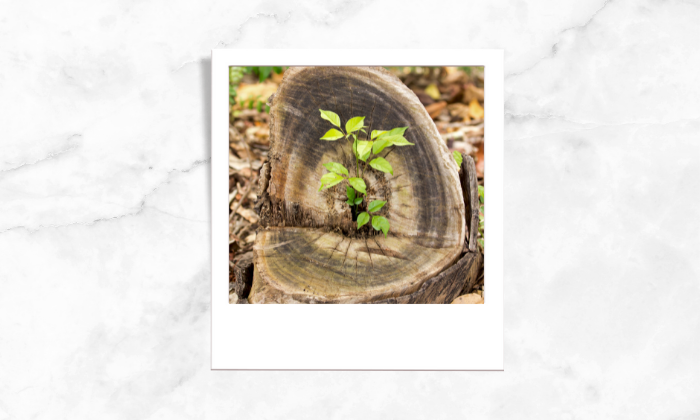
(475, 110)
(472, 92)
(460, 111)
(248, 214)
(433, 91)
(479, 160)
(235, 163)
(435, 109)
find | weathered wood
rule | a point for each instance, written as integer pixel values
(310, 250)
(243, 276)
(448, 285)
(471, 200)
(316, 266)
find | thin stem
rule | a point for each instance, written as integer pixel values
(357, 163)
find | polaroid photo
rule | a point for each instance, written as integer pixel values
(356, 209)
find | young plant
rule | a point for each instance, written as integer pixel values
(373, 143)
(378, 222)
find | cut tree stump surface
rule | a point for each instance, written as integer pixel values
(310, 250)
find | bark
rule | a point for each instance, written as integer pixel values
(471, 199)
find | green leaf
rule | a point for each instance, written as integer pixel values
(398, 131)
(264, 72)
(362, 219)
(350, 203)
(331, 116)
(332, 134)
(481, 193)
(350, 192)
(380, 223)
(381, 164)
(458, 157)
(354, 124)
(358, 184)
(398, 141)
(379, 145)
(375, 206)
(336, 168)
(366, 155)
(358, 200)
(376, 133)
(364, 148)
(330, 179)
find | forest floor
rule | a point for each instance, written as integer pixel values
(453, 97)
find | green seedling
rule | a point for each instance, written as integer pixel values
(372, 144)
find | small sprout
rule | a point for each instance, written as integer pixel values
(374, 143)
(352, 199)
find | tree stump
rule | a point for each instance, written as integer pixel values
(309, 249)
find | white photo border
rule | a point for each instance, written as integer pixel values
(358, 337)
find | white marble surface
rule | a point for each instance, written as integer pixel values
(104, 210)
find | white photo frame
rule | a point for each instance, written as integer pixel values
(358, 337)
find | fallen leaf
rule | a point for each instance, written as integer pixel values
(435, 109)
(423, 97)
(455, 76)
(450, 93)
(479, 158)
(475, 110)
(460, 111)
(433, 91)
(235, 163)
(248, 214)
(472, 92)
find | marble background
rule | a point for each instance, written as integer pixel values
(104, 209)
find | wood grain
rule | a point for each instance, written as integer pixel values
(310, 250)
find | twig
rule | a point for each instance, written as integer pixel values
(243, 197)
(247, 149)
